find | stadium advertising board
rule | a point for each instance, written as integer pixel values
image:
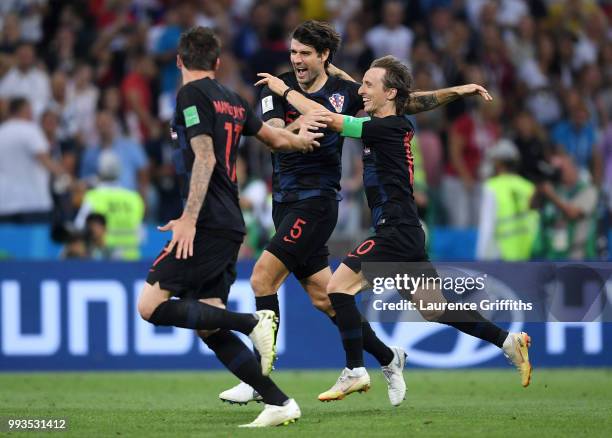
(82, 316)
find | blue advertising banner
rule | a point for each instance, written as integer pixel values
(82, 316)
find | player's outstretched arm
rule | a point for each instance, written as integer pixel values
(332, 70)
(278, 139)
(183, 229)
(427, 100)
(299, 101)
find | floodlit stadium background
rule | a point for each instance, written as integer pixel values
(105, 69)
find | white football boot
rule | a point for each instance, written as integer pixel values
(241, 394)
(516, 349)
(277, 415)
(394, 376)
(355, 380)
(263, 339)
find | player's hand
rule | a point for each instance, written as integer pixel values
(308, 136)
(315, 119)
(472, 90)
(276, 85)
(183, 233)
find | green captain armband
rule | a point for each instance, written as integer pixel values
(352, 126)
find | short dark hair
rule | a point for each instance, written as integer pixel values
(397, 76)
(16, 105)
(199, 48)
(93, 218)
(320, 35)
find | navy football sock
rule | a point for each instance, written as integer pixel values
(473, 323)
(194, 314)
(241, 361)
(372, 344)
(348, 320)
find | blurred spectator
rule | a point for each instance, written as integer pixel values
(498, 70)
(123, 209)
(95, 237)
(576, 136)
(228, 74)
(424, 59)
(356, 56)
(111, 103)
(521, 42)
(391, 37)
(342, 13)
(11, 33)
(177, 20)
(568, 223)
(84, 98)
(440, 21)
(27, 80)
(506, 228)
(605, 150)
(133, 174)
(531, 141)
(25, 168)
(64, 107)
(138, 99)
(255, 203)
(273, 53)
(61, 52)
(469, 138)
(164, 180)
(539, 76)
(63, 152)
(249, 37)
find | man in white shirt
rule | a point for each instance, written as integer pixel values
(391, 37)
(25, 79)
(25, 167)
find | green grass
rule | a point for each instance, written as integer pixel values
(439, 403)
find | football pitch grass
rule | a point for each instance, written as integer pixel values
(568, 402)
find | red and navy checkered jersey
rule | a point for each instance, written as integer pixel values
(298, 176)
(388, 171)
(205, 107)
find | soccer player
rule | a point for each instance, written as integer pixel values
(306, 193)
(388, 179)
(198, 265)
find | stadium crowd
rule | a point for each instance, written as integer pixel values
(82, 80)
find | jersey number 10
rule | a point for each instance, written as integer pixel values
(231, 142)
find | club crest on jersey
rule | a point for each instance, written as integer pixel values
(337, 101)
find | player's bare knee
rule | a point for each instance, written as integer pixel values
(216, 302)
(150, 298)
(262, 282)
(323, 304)
(339, 285)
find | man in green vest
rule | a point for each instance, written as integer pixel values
(507, 226)
(123, 210)
(568, 229)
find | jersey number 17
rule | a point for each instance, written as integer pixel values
(231, 142)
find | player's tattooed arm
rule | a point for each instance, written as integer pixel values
(427, 100)
(184, 228)
(202, 170)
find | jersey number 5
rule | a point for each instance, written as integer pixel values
(231, 142)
